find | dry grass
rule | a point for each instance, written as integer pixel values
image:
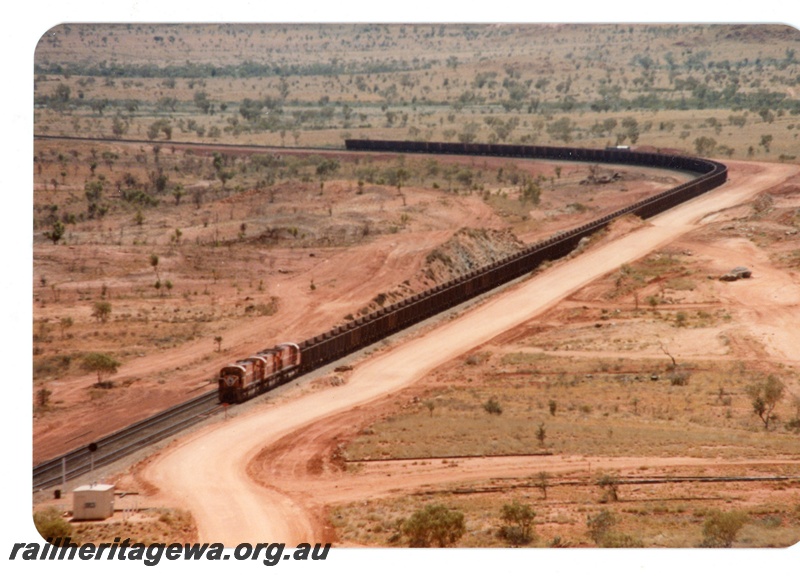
(659, 515)
(602, 409)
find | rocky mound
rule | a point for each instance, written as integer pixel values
(468, 249)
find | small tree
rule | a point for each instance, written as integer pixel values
(765, 395)
(704, 145)
(101, 364)
(541, 434)
(154, 264)
(178, 192)
(435, 525)
(218, 340)
(518, 528)
(101, 310)
(552, 406)
(57, 233)
(66, 323)
(492, 406)
(599, 526)
(543, 482)
(610, 485)
(721, 528)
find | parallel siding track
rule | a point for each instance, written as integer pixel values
(357, 334)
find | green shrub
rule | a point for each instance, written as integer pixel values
(721, 528)
(518, 527)
(492, 406)
(434, 525)
(51, 525)
(599, 526)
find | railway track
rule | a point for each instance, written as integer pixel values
(343, 340)
(124, 442)
(187, 144)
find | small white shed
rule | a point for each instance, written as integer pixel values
(93, 502)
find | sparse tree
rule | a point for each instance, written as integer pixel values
(118, 128)
(328, 167)
(397, 176)
(94, 192)
(57, 233)
(101, 310)
(529, 191)
(61, 94)
(721, 528)
(154, 264)
(599, 526)
(541, 434)
(704, 145)
(671, 357)
(202, 102)
(765, 396)
(101, 364)
(434, 525)
(543, 482)
(469, 133)
(492, 406)
(178, 193)
(218, 341)
(610, 486)
(518, 527)
(66, 323)
(561, 129)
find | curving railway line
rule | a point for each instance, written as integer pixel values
(343, 340)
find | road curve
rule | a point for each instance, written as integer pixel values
(206, 473)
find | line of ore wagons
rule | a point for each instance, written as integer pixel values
(271, 367)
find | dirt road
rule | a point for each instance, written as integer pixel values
(207, 473)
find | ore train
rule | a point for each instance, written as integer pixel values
(254, 375)
(269, 368)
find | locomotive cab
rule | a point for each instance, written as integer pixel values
(231, 379)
